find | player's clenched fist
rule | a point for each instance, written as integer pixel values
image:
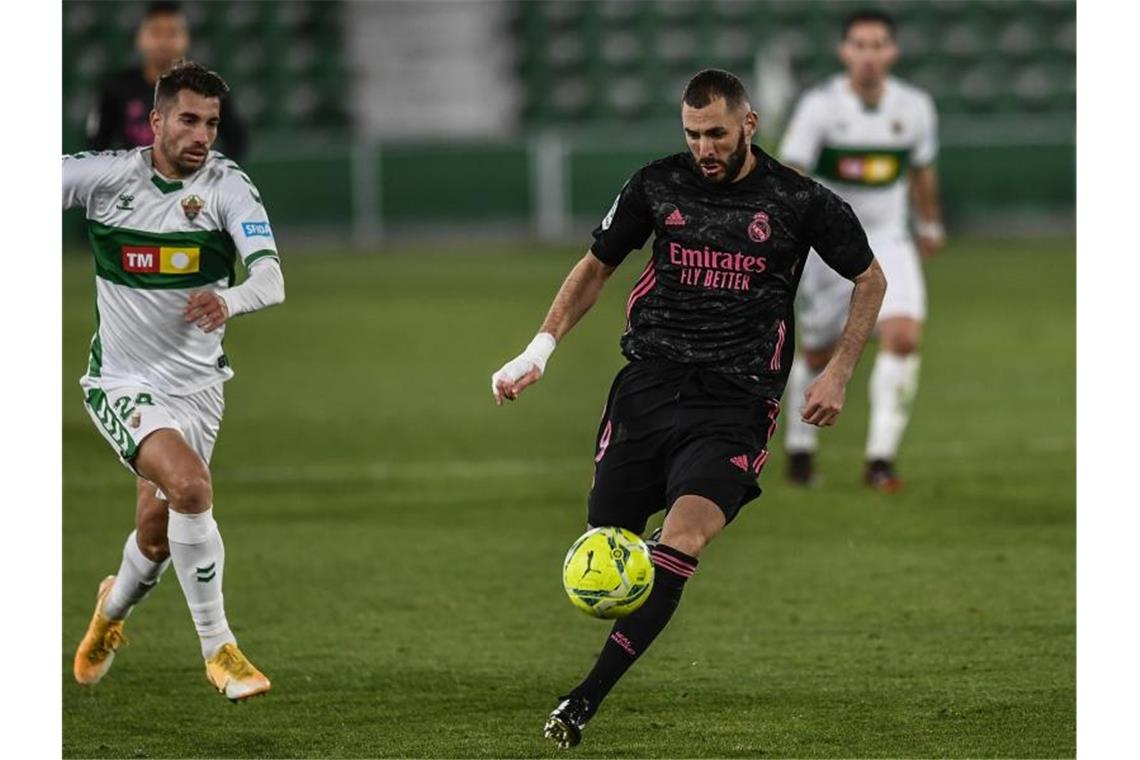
(524, 370)
(207, 310)
(823, 400)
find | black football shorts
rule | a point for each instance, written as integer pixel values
(671, 430)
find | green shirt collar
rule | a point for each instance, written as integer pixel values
(165, 185)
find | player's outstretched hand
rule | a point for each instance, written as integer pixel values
(207, 310)
(823, 400)
(505, 386)
(524, 370)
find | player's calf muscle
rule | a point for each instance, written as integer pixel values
(150, 524)
(691, 524)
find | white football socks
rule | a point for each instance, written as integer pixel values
(199, 558)
(800, 437)
(136, 577)
(894, 383)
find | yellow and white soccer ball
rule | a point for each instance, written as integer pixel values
(608, 572)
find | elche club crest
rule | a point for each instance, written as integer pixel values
(192, 206)
(758, 229)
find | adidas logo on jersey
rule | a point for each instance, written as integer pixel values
(741, 461)
(675, 219)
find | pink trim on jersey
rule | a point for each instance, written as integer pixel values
(672, 564)
(762, 458)
(644, 284)
(781, 330)
(773, 413)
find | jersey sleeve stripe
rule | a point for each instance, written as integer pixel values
(257, 255)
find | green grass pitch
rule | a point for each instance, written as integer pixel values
(394, 540)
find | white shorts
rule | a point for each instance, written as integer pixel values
(824, 295)
(126, 414)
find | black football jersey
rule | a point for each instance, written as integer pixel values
(719, 288)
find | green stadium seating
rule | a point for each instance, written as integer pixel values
(614, 61)
(604, 62)
(285, 61)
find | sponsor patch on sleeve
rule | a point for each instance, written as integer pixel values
(256, 229)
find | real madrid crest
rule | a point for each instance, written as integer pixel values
(191, 206)
(759, 229)
(897, 126)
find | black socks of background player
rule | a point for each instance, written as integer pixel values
(631, 636)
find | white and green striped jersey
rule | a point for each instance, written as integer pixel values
(156, 241)
(863, 153)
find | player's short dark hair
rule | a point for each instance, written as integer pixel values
(868, 15)
(188, 75)
(710, 84)
(161, 8)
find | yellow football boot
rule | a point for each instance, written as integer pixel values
(235, 676)
(96, 652)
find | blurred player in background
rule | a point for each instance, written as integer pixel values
(167, 224)
(872, 139)
(120, 117)
(709, 337)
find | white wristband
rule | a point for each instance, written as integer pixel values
(536, 354)
(929, 229)
(540, 349)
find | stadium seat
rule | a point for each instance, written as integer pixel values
(600, 61)
(262, 49)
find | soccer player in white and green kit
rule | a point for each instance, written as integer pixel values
(873, 140)
(167, 224)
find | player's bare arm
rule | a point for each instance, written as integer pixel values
(825, 397)
(924, 189)
(578, 294)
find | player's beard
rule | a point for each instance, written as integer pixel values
(176, 158)
(734, 163)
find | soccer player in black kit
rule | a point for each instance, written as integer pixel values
(120, 117)
(709, 338)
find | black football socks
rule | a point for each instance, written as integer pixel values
(631, 636)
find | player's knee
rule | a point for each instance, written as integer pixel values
(190, 491)
(902, 343)
(817, 359)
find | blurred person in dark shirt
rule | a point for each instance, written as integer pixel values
(120, 117)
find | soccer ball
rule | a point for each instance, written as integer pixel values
(608, 572)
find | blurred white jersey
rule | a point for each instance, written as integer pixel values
(156, 241)
(862, 153)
